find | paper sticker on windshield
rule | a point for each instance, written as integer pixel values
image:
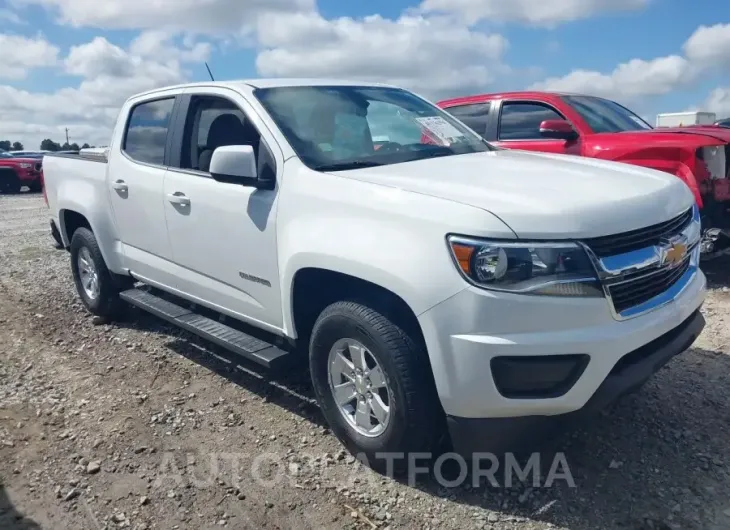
(640, 122)
(440, 129)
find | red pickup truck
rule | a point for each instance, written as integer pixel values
(595, 127)
(18, 172)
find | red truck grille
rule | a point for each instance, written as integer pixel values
(644, 237)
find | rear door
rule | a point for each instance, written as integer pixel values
(515, 124)
(137, 168)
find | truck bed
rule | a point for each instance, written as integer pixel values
(77, 178)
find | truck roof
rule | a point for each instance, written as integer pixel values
(268, 83)
(500, 95)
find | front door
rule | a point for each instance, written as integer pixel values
(223, 235)
(519, 128)
(135, 188)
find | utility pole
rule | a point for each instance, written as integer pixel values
(67, 136)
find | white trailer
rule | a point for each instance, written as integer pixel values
(681, 119)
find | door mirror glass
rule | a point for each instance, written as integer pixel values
(559, 129)
(235, 164)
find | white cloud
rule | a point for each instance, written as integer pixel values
(709, 45)
(183, 15)
(155, 44)
(537, 12)
(706, 50)
(110, 74)
(21, 54)
(432, 55)
(636, 78)
(719, 102)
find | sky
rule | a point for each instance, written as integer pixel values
(72, 63)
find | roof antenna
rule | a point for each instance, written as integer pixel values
(209, 72)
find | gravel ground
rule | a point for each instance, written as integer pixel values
(139, 425)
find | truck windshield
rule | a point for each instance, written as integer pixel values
(605, 116)
(348, 127)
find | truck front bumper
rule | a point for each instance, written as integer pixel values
(505, 363)
(472, 435)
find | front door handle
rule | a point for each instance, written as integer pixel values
(120, 186)
(178, 198)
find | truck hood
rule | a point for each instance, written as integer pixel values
(543, 196)
(718, 133)
(680, 137)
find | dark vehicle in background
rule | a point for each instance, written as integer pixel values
(28, 154)
(573, 124)
(723, 123)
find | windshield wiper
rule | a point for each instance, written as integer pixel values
(344, 166)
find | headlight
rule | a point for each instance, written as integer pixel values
(714, 159)
(25, 166)
(555, 269)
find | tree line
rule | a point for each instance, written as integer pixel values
(46, 145)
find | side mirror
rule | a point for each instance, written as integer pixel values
(235, 164)
(558, 129)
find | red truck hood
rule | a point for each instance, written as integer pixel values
(717, 133)
(677, 137)
(15, 161)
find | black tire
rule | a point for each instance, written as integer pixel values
(36, 186)
(9, 181)
(416, 415)
(107, 304)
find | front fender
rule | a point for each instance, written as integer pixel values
(393, 239)
(417, 268)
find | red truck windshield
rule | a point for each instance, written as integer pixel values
(605, 116)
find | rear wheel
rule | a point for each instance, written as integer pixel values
(373, 383)
(97, 287)
(36, 186)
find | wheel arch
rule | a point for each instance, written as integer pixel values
(314, 288)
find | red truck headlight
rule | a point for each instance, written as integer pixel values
(714, 159)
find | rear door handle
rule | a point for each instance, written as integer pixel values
(178, 198)
(119, 185)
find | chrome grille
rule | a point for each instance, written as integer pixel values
(640, 288)
(636, 239)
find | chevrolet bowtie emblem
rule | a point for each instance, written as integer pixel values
(675, 254)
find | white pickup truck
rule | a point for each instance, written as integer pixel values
(438, 285)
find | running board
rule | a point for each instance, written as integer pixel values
(238, 342)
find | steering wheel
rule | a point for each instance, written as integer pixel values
(389, 147)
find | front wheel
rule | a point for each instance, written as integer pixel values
(98, 288)
(373, 383)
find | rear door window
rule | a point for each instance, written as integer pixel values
(474, 115)
(146, 134)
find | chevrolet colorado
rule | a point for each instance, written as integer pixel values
(575, 124)
(440, 291)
